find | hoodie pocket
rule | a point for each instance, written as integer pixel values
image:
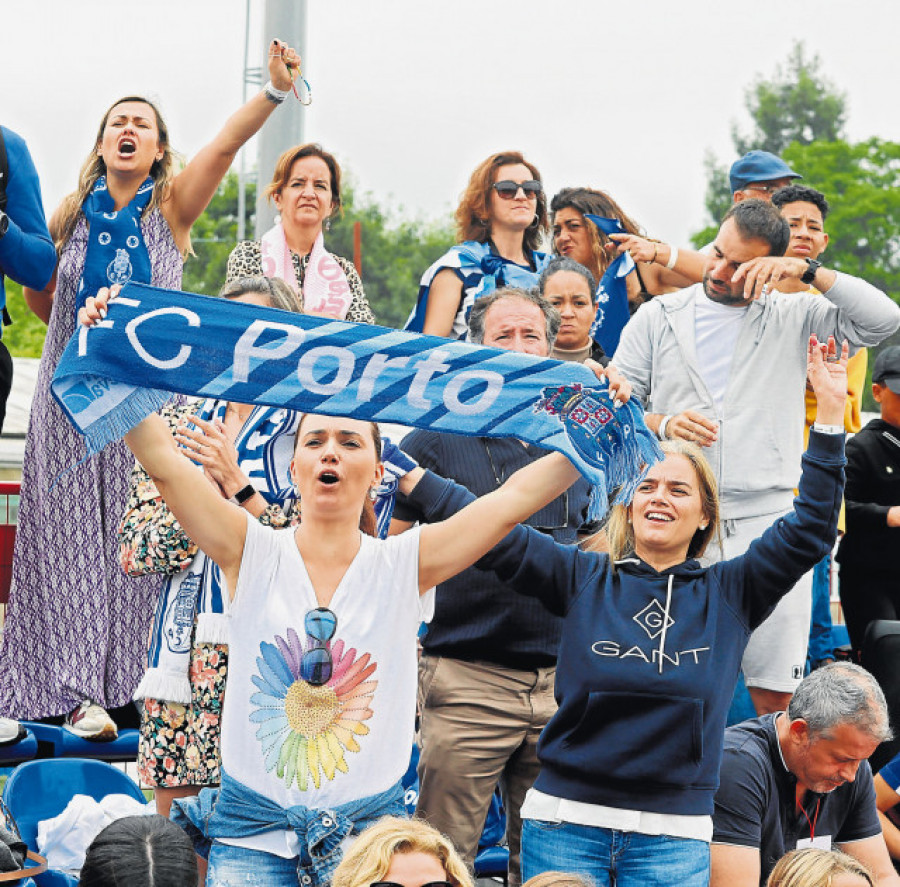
(638, 737)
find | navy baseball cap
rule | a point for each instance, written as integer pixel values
(759, 166)
(886, 370)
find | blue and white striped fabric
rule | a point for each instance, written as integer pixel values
(612, 292)
(264, 446)
(481, 271)
(156, 341)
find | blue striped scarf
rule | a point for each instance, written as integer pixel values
(156, 341)
(612, 292)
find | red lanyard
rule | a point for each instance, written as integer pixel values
(815, 819)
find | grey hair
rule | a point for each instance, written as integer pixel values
(278, 292)
(483, 304)
(841, 693)
(564, 263)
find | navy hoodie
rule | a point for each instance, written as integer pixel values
(648, 661)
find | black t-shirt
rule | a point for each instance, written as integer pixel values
(755, 803)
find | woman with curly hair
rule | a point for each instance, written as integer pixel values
(500, 221)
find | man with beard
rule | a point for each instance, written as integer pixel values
(723, 364)
(801, 779)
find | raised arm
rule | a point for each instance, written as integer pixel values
(195, 185)
(217, 526)
(448, 547)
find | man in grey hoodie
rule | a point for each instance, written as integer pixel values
(723, 364)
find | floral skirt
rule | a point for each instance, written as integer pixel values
(180, 743)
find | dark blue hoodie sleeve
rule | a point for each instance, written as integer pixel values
(527, 560)
(27, 254)
(795, 543)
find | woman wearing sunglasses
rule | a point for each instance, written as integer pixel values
(321, 688)
(650, 652)
(500, 221)
(402, 853)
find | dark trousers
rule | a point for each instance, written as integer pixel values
(866, 597)
(6, 378)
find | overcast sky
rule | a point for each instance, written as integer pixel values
(412, 95)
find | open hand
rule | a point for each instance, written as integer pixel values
(827, 373)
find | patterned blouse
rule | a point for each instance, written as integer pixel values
(246, 261)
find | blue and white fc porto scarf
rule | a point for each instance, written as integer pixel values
(154, 342)
(116, 252)
(612, 292)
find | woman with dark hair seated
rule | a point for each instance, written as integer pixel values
(141, 851)
(500, 221)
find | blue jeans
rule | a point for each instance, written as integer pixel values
(230, 866)
(610, 857)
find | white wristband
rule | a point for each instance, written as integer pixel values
(673, 257)
(661, 433)
(828, 429)
(274, 94)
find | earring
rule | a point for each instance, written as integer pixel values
(629, 518)
(534, 223)
(373, 493)
(703, 526)
(327, 225)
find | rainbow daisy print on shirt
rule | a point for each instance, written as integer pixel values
(305, 729)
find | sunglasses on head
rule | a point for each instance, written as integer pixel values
(316, 664)
(395, 884)
(508, 189)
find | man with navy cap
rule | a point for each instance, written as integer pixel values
(758, 174)
(869, 566)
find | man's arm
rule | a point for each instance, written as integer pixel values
(27, 254)
(886, 797)
(873, 854)
(733, 866)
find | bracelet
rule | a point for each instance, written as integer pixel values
(828, 429)
(655, 253)
(241, 496)
(661, 432)
(673, 257)
(275, 95)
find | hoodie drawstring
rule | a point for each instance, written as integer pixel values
(665, 624)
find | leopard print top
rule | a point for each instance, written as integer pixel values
(246, 261)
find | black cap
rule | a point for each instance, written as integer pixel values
(886, 370)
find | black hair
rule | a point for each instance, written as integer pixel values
(759, 220)
(143, 851)
(564, 263)
(800, 194)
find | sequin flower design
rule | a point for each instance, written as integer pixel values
(305, 730)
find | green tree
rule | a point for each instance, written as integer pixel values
(25, 338)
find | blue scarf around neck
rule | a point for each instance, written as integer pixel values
(154, 342)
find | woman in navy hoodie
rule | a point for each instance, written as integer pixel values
(650, 652)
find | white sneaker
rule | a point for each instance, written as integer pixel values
(10, 731)
(91, 721)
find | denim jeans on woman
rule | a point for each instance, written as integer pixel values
(611, 857)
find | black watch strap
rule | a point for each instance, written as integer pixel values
(4, 223)
(241, 496)
(809, 275)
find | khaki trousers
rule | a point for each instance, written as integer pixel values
(479, 725)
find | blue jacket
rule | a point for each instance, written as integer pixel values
(648, 661)
(27, 254)
(236, 811)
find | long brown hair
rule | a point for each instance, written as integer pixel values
(162, 171)
(472, 215)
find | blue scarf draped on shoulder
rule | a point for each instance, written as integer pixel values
(612, 292)
(154, 342)
(481, 271)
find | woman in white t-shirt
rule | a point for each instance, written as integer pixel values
(320, 704)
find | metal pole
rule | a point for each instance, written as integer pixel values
(286, 20)
(242, 168)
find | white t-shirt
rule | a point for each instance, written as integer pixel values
(716, 332)
(321, 746)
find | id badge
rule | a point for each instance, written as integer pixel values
(820, 842)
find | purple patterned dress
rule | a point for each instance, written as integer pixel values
(77, 626)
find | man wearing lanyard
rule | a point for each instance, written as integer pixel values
(800, 778)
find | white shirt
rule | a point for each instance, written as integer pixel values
(321, 746)
(716, 332)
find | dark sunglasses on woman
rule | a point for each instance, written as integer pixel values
(508, 189)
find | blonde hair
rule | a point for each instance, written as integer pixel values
(369, 858)
(559, 879)
(619, 532)
(812, 867)
(162, 171)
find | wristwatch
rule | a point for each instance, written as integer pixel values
(4, 223)
(242, 495)
(809, 275)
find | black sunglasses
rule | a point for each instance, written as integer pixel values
(316, 664)
(508, 189)
(395, 884)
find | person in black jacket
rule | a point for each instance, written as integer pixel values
(869, 569)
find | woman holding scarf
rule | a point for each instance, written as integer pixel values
(306, 189)
(500, 221)
(76, 628)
